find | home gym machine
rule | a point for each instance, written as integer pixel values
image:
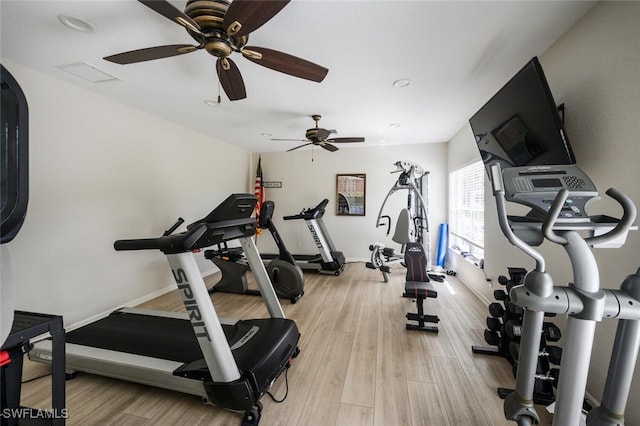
(230, 364)
(329, 260)
(286, 276)
(412, 223)
(558, 196)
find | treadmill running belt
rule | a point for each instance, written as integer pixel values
(141, 335)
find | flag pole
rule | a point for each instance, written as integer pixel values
(259, 193)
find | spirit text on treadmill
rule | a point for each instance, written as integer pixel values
(191, 304)
(315, 236)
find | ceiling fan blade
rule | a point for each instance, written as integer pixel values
(151, 53)
(286, 63)
(300, 146)
(169, 11)
(290, 140)
(344, 140)
(231, 79)
(329, 147)
(245, 16)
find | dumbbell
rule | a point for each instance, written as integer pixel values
(551, 332)
(542, 371)
(554, 373)
(515, 309)
(513, 328)
(494, 324)
(491, 337)
(496, 310)
(553, 353)
(500, 295)
(517, 274)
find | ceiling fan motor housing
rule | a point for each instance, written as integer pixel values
(312, 134)
(209, 15)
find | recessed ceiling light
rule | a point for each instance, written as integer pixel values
(76, 23)
(266, 135)
(403, 82)
(394, 125)
(211, 102)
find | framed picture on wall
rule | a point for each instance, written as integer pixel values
(351, 194)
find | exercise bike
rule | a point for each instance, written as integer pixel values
(286, 276)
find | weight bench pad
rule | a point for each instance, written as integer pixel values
(419, 289)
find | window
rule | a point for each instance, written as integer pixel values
(466, 214)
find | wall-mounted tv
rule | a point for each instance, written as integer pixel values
(14, 161)
(520, 125)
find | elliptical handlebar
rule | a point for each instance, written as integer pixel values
(310, 213)
(629, 212)
(501, 204)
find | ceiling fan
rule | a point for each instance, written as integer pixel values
(222, 27)
(320, 137)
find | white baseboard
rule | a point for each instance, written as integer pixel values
(131, 303)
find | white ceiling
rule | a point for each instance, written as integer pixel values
(457, 55)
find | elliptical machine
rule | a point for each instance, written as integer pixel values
(286, 276)
(558, 196)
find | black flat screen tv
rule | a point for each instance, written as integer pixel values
(520, 125)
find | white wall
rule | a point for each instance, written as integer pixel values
(595, 70)
(101, 171)
(305, 183)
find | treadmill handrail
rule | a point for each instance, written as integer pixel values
(198, 236)
(230, 220)
(310, 213)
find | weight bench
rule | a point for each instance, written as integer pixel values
(418, 287)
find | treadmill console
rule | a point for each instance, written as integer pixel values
(537, 187)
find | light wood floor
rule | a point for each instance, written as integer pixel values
(358, 365)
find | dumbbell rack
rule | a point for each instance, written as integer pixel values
(504, 318)
(504, 328)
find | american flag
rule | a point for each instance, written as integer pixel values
(259, 191)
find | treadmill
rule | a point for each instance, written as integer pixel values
(329, 260)
(228, 363)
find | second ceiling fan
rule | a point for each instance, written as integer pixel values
(320, 137)
(221, 27)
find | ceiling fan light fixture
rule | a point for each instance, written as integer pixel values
(76, 23)
(401, 83)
